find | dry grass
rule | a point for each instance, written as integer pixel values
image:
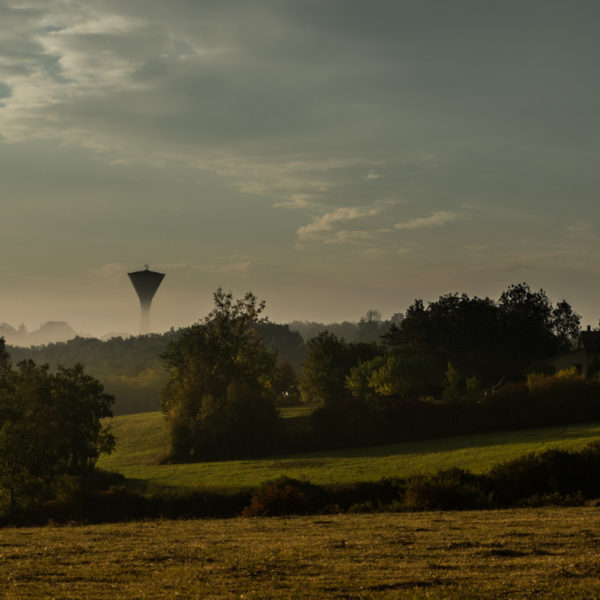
(535, 553)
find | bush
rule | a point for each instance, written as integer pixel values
(564, 397)
(285, 496)
(553, 499)
(555, 472)
(454, 489)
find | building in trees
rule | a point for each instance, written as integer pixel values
(585, 357)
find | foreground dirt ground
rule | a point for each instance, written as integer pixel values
(530, 553)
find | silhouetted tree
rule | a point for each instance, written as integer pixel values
(465, 331)
(50, 428)
(219, 399)
(329, 361)
(370, 327)
(566, 325)
(482, 338)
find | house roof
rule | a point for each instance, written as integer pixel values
(590, 341)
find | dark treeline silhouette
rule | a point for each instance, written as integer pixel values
(129, 368)
(458, 365)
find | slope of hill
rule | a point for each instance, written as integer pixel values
(142, 441)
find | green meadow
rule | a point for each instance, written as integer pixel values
(142, 443)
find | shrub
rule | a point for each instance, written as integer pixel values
(362, 507)
(454, 489)
(551, 472)
(285, 496)
(553, 499)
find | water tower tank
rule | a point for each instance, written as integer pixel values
(146, 283)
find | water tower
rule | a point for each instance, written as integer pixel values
(146, 283)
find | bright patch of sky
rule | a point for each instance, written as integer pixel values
(331, 156)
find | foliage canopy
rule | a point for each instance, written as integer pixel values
(219, 399)
(51, 431)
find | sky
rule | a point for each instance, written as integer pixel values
(330, 156)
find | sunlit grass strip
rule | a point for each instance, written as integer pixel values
(142, 440)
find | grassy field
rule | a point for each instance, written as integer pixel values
(518, 554)
(142, 441)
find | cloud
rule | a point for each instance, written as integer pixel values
(349, 236)
(437, 219)
(291, 119)
(373, 253)
(208, 86)
(111, 270)
(238, 267)
(296, 201)
(235, 266)
(328, 221)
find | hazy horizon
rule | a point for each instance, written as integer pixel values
(332, 157)
(162, 321)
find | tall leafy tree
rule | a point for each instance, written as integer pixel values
(50, 427)
(219, 399)
(341, 417)
(371, 327)
(482, 338)
(329, 361)
(566, 324)
(465, 331)
(533, 328)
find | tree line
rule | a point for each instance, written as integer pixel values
(454, 366)
(457, 365)
(132, 370)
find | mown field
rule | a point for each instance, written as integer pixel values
(535, 553)
(142, 442)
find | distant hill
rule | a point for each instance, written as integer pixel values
(51, 331)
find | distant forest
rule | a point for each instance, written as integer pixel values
(369, 329)
(131, 368)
